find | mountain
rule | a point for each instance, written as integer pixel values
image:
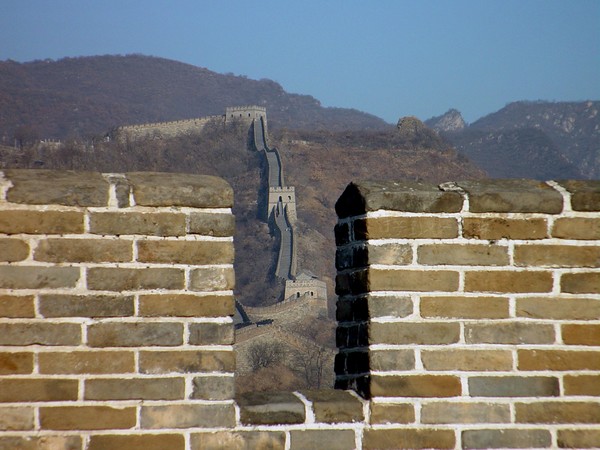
(451, 120)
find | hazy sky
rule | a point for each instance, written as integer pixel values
(391, 58)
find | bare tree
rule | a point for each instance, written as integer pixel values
(311, 365)
(265, 354)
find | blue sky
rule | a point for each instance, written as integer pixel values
(390, 58)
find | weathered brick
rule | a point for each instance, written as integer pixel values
(382, 413)
(558, 412)
(581, 334)
(211, 334)
(135, 389)
(393, 254)
(457, 307)
(40, 222)
(16, 363)
(585, 194)
(185, 252)
(412, 280)
(334, 406)
(238, 440)
(37, 390)
(467, 360)
(391, 438)
(119, 334)
(311, 439)
(93, 362)
(16, 418)
(65, 305)
(121, 279)
(87, 418)
(212, 279)
(12, 250)
(13, 306)
(503, 281)
(580, 283)
(407, 228)
(557, 308)
(212, 224)
(506, 438)
(213, 388)
(40, 333)
(186, 305)
(395, 306)
(582, 385)
(186, 361)
(137, 442)
(83, 250)
(41, 443)
(513, 386)
(188, 416)
(430, 333)
(415, 386)
(509, 333)
(557, 256)
(126, 223)
(500, 228)
(576, 228)
(582, 438)
(458, 254)
(558, 360)
(392, 360)
(461, 413)
(268, 408)
(38, 277)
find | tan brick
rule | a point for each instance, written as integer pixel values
(334, 406)
(188, 416)
(12, 250)
(506, 438)
(13, 306)
(126, 223)
(80, 362)
(84, 250)
(382, 413)
(582, 385)
(87, 418)
(40, 222)
(415, 386)
(238, 440)
(119, 334)
(558, 360)
(41, 443)
(396, 306)
(37, 277)
(408, 228)
(40, 333)
(185, 252)
(17, 418)
(583, 438)
(513, 386)
(213, 388)
(390, 438)
(186, 305)
(557, 255)
(120, 279)
(558, 412)
(503, 281)
(391, 360)
(467, 255)
(16, 363)
(187, 361)
(393, 254)
(311, 439)
(461, 413)
(37, 390)
(581, 334)
(426, 333)
(580, 283)
(135, 389)
(137, 442)
(557, 308)
(457, 307)
(412, 280)
(212, 224)
(500, 228)
(467, 360)
(212, 279)
(509, 333)
(576, 228)
(59, 305)
(211, 334)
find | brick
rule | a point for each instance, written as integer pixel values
(86, 362)
(456, 307)
(385, 360)
(351, 362)
(390, 438)
(211, 334)
(500, 228)
(413, 280)
(356, 282)
(558, 360)
(392, 254)
(462, 413)
(185, 252)
(186, 305)
(407, 228)
(212, 279)
(506, 438)
(41, 443)
(60, 187)
(557, 256)
(509, 333)
(557, 308)
(311, 439)
(16, 363)
(212, 224)
(580, 283)
(585, 194)
(334, 406)
(583, 438)
(37, 277)
(14, 306)
(83, 250)
(40, 333)
(576, 228)
(392, 413)
(12, 250)
(188, 416)
(457, 254)
(37, 390)
(16, 419)
(87, 418)
(395, 306)
(581, 334)
(513, 386)
(128, 223)
(40, 222)
(238, 440)
(213, 388)
(342, 233)
(268, 408)
(59, 305)
(120, 279)
(426, 333)
(558, 412)
(119, 334)
(467, 360)
(415, 386)
(135, 389)
(582, 385)
(186, 361)
(137, 442)
(508, 281)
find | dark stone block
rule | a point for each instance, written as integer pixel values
(585, 194)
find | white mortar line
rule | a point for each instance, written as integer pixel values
(308, 408)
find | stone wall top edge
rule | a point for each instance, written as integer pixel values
(170, 122)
